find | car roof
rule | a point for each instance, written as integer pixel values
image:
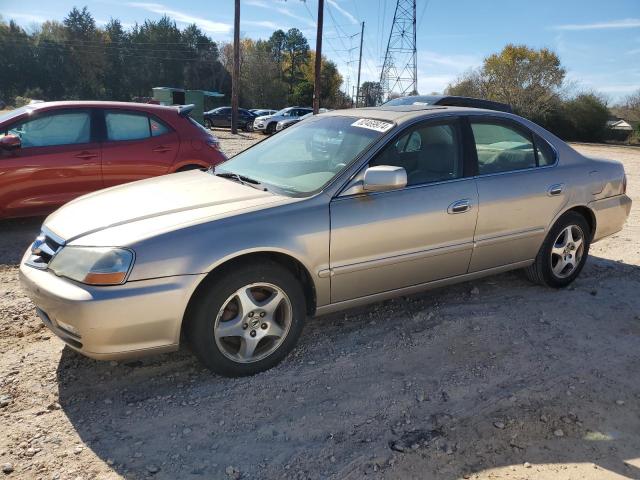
(450, 101)
(404, 113)
(150, 107)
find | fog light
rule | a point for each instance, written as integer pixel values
(69, 328)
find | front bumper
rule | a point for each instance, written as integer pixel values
(115, 322)
(260, 125)
(610, 213)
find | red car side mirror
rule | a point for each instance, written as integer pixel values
(10, 142)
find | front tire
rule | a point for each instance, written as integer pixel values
(271, 128)
(248, 127)
(208, 124)
(563, 253)
(248, 319)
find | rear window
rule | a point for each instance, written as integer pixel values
(122, 126)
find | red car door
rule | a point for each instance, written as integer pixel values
(136, 146)
(57, 161)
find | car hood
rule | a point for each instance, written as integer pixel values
(144, 208)
(264, 117)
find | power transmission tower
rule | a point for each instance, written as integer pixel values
(399, 71)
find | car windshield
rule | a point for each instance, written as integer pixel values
(304, 158)
(282, 112)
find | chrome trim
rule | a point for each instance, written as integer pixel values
(53, 236)
(482, 242)
(530, 169)
(405, 257)
(408, 187)
(377, 297)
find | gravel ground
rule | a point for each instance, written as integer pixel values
(491, 379)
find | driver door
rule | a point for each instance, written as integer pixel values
(421, 233)
(58, 161)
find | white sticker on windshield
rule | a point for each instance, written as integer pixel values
(377, 125)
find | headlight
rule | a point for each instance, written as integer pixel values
(93, 265)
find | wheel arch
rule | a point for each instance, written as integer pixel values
(287, 260)
(188, 165)
(588, 215)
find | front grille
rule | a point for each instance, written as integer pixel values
(44, 248)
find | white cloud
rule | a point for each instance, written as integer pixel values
(262, 23)
(282, 10)
(181, 17)
(453, 62)
(25, 16)
(335, 5)
(613, 24)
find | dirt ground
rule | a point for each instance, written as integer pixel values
(496, 378)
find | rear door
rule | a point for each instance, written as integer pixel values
(519, 192)
(59, 160)
(136, 146)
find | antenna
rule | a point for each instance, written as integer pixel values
(399, 73)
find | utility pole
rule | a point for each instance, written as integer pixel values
(235, 78)
(359, 65)
(318, 67)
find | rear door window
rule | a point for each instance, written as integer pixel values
(122, 126)
(546, 154)
(60, 128)
(502, 147)
(126, 126)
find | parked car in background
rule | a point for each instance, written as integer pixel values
(221, 118)
(2, 105)
(51, 153)
(282, 124)
(235, 259)
(267, 123)
(262, 112)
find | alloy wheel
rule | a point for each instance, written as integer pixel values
(567, 251)
(253, 322)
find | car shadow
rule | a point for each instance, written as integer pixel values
(408, 388)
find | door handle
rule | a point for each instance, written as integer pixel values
(460, 206)
(162, 149)
(86, 155)
(556, 189)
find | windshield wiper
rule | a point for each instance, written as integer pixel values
(244, 180)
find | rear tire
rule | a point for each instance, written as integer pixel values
(247, 319)
(563, 252)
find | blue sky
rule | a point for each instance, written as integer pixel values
(598, 41)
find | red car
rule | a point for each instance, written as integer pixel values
(53, 152)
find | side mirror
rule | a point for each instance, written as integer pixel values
(10, 142)
(382, 178)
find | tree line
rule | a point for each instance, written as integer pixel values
(77, 59)
(534, 83)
